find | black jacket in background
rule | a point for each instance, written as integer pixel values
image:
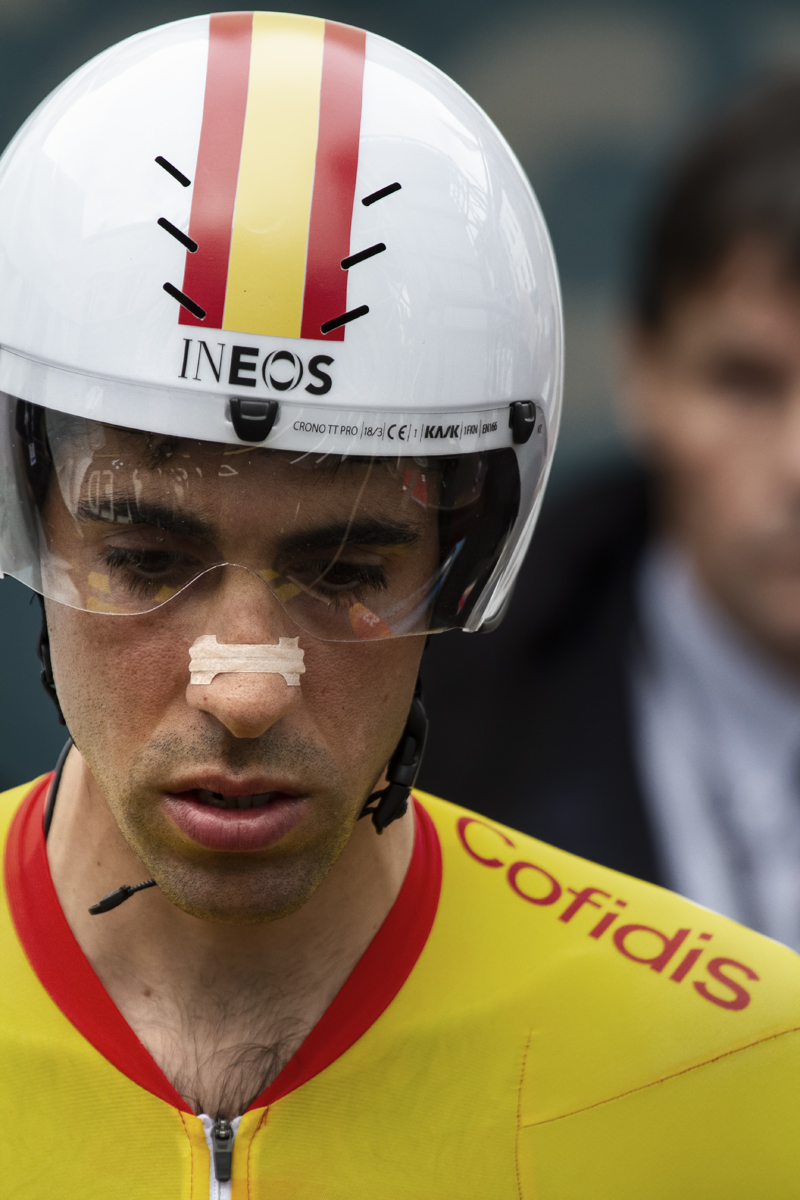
(531, 724)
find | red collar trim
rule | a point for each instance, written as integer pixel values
(65, 973)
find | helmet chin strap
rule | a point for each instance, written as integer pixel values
(403, 767)
(46, 674)
(43, 650)
(122, 893)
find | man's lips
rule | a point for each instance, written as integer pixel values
(233, 819)
(238, 800)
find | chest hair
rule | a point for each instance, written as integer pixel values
(221, 1049)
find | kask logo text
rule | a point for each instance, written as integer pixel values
(246, 366)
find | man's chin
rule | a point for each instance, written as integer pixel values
(240, 901)
(241, 889)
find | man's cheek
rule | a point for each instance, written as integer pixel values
(115, 674)
(357, 698)
(337, 699)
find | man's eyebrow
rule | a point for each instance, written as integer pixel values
(367, 531)
(127, 510)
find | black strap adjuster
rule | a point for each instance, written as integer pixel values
(522, 419)
(253, 419)
(401, 773)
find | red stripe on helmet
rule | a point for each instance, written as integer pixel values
(214, 196)
(325, 295)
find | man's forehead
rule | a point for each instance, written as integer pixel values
(161, 455)
(200, 488)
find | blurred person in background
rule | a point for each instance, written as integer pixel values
(641, 705)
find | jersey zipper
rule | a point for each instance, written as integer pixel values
(220, 1136)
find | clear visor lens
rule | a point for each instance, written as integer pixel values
(125, 522)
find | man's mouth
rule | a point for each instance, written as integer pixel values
(221, 821)
(218, 800)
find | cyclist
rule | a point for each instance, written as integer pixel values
(280, 363)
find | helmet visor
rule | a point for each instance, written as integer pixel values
(121, 521)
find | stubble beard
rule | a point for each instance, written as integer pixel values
(242, 888)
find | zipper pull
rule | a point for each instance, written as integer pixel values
(222, 1149)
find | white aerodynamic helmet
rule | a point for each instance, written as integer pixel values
(265, 247)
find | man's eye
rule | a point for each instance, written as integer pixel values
(337, 576)
(146, 562)
(141, 571)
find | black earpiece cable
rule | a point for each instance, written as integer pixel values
(113, 898)
(122, 893)
(50, 806)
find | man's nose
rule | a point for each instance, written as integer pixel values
(248, 704)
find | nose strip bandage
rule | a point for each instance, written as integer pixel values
(208, 657)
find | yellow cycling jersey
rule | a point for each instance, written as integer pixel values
(525, 1025)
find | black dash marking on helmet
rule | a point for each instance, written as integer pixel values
(347, 263)
(173, 171)
(188, 304)
(344, 319)
(387, 191)
(183, 238)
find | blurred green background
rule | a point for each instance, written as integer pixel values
(592, 97)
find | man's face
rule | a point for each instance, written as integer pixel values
(170, 757)
(716, 399)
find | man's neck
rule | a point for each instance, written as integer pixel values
(220, 1007)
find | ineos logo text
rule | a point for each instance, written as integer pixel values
(281, 370)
